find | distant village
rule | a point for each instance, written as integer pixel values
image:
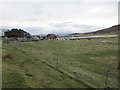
(23, 36)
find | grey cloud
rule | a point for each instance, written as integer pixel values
(81, 26)
(36, 30)
(61, 31)
(60, 25)
(31, 30)
(65, 24)
(85, 28)
(90, 14)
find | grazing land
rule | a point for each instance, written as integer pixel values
(61, 64)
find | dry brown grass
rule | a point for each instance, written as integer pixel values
(7, 56)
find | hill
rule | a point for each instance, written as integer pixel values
(111, 30)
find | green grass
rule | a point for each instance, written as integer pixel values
(25, 71)
(0, 64)
(82, 63)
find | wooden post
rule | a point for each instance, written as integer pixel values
(106, 80)
(57, 61)
(118, 74)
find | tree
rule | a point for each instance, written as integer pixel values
(16, 33)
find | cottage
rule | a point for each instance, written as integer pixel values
(51, 36)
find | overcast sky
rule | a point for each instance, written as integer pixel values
(58, 17)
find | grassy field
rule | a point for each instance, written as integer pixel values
(0, 63)
(61, 64)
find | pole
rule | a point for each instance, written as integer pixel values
(106, 80)
(57, 61)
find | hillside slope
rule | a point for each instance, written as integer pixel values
(114, 29)
(111, 30)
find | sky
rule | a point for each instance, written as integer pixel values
(59, 17)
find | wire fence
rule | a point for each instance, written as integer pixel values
(55, 60)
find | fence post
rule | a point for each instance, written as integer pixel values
(57, 61)
(106, 80)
